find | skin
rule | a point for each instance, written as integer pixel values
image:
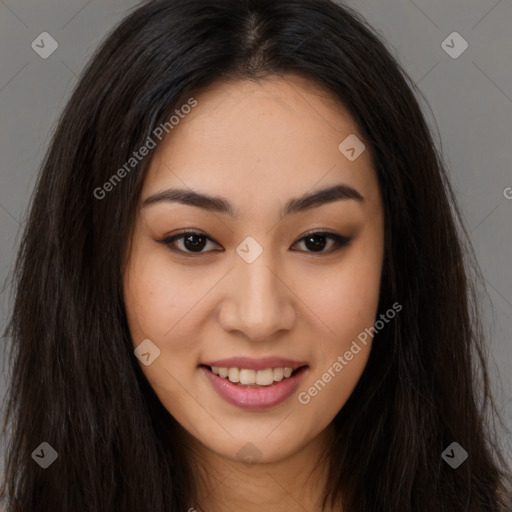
(257, 145)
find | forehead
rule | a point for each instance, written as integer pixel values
(265, 139)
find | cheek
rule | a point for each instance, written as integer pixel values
(346, 298)
(163, 304)
(347, 304)
(159, 308)
(328, 389)
(159, 296)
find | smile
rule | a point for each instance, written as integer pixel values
(254, 389)
(248, 377)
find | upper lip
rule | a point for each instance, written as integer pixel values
(256, 364)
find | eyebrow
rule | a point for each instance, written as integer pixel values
(221, 205)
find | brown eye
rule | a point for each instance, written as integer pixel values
(192, 242)
(316, 241)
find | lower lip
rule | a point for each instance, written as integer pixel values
(254, 398)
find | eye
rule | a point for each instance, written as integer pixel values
(316, 241)
(195, 242)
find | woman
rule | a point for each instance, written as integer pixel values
(242, 284)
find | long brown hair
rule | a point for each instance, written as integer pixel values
(76, 383)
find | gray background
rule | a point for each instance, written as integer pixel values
(469, 109)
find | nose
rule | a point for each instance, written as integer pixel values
(258, 302)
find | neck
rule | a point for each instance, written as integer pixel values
(296, 482)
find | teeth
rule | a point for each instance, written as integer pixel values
(264, 377)
(278, 374)
(248, 377)
(233, 374)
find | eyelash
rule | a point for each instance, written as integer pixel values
(340, 242)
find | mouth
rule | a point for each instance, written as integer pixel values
(254, 389)
(250, 378)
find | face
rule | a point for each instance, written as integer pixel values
(256, 280)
